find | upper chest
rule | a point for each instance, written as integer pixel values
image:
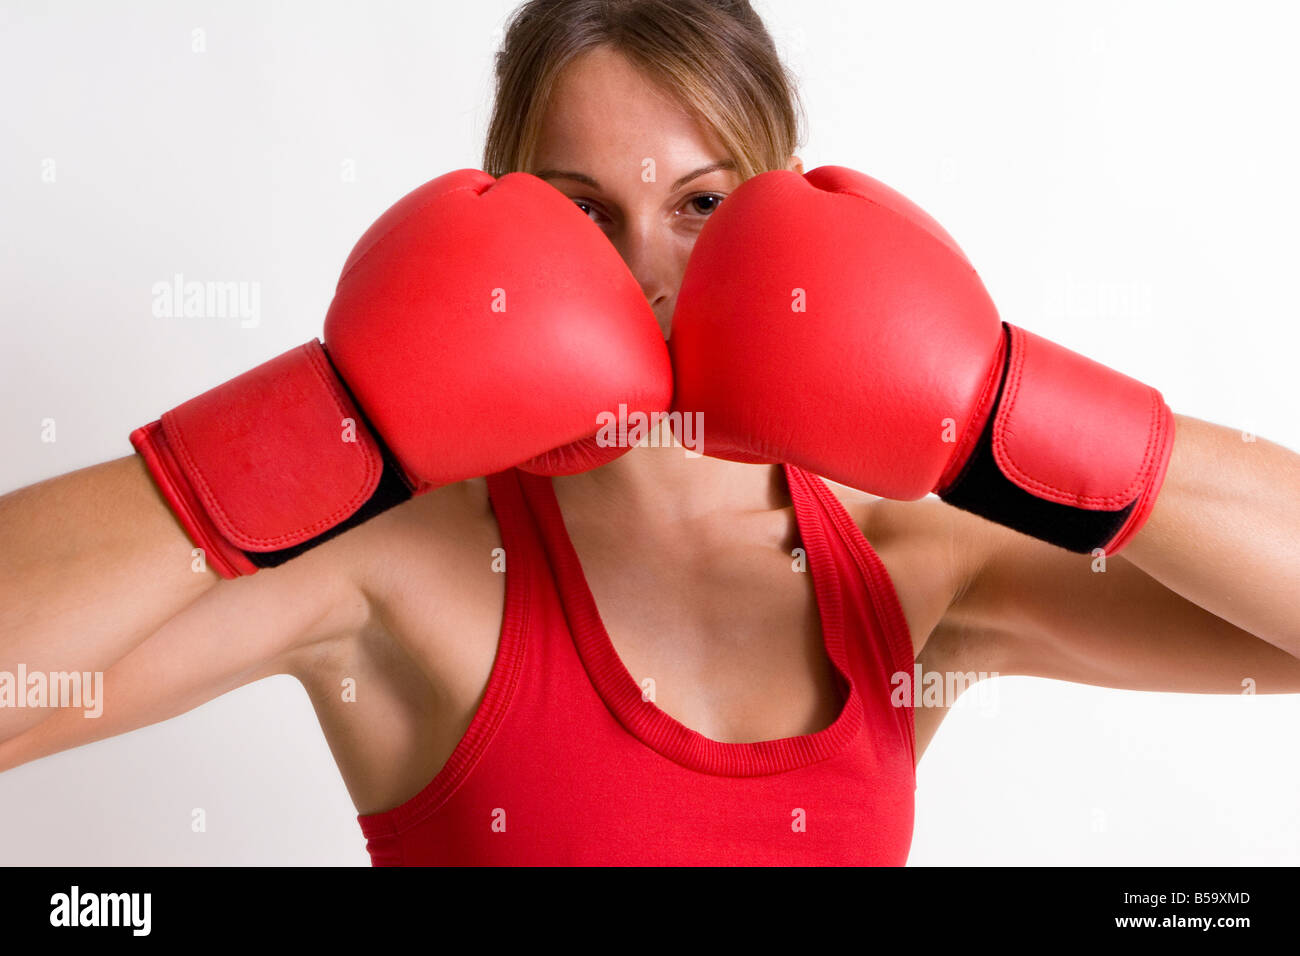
(721, 619)
(723, 627)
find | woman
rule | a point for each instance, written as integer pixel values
(686, 659)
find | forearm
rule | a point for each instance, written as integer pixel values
(1225, 530)
(91, 563)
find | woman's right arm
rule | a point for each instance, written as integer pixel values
(91, 563)
(262, 470)
(89, 586)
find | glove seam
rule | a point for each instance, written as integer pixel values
(374, 247)
(1003, 456)
(257, 543)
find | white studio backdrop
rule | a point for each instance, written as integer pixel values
(1121, 174)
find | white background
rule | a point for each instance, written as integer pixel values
(1122, 174)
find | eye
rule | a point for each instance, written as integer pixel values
(591, 210)
(704, 204)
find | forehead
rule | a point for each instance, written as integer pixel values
(606, 112)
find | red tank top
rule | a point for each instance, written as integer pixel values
(565, 763)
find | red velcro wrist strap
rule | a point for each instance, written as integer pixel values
(1075, 452)
(266, 461)
(1073, 431)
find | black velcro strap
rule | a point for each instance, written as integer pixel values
(982, 489)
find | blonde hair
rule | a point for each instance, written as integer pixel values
(714, 56)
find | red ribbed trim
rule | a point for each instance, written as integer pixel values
(506, 669)
(885, 608)
(653, 726)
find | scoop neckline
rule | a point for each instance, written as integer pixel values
(657, 729)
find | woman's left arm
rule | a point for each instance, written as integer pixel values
(1225, 530)
(1203, 599)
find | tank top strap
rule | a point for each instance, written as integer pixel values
(523, 557)
(522, 553)
(875, 625)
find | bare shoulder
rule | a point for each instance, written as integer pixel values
(931, 550)
(423, 551)
(435, 528)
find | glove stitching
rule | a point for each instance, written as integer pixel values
(242, 538)
(1061, 495)
(436, 198)
(1158, 436)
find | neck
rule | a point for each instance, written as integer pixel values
(660, 479)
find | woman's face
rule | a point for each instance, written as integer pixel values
(640, 166)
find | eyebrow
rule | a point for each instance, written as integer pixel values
(589, 181)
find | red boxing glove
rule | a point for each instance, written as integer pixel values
(827, 321)
(479, 324)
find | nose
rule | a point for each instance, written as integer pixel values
(651, 260)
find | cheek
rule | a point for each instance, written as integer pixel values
(683, 247)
